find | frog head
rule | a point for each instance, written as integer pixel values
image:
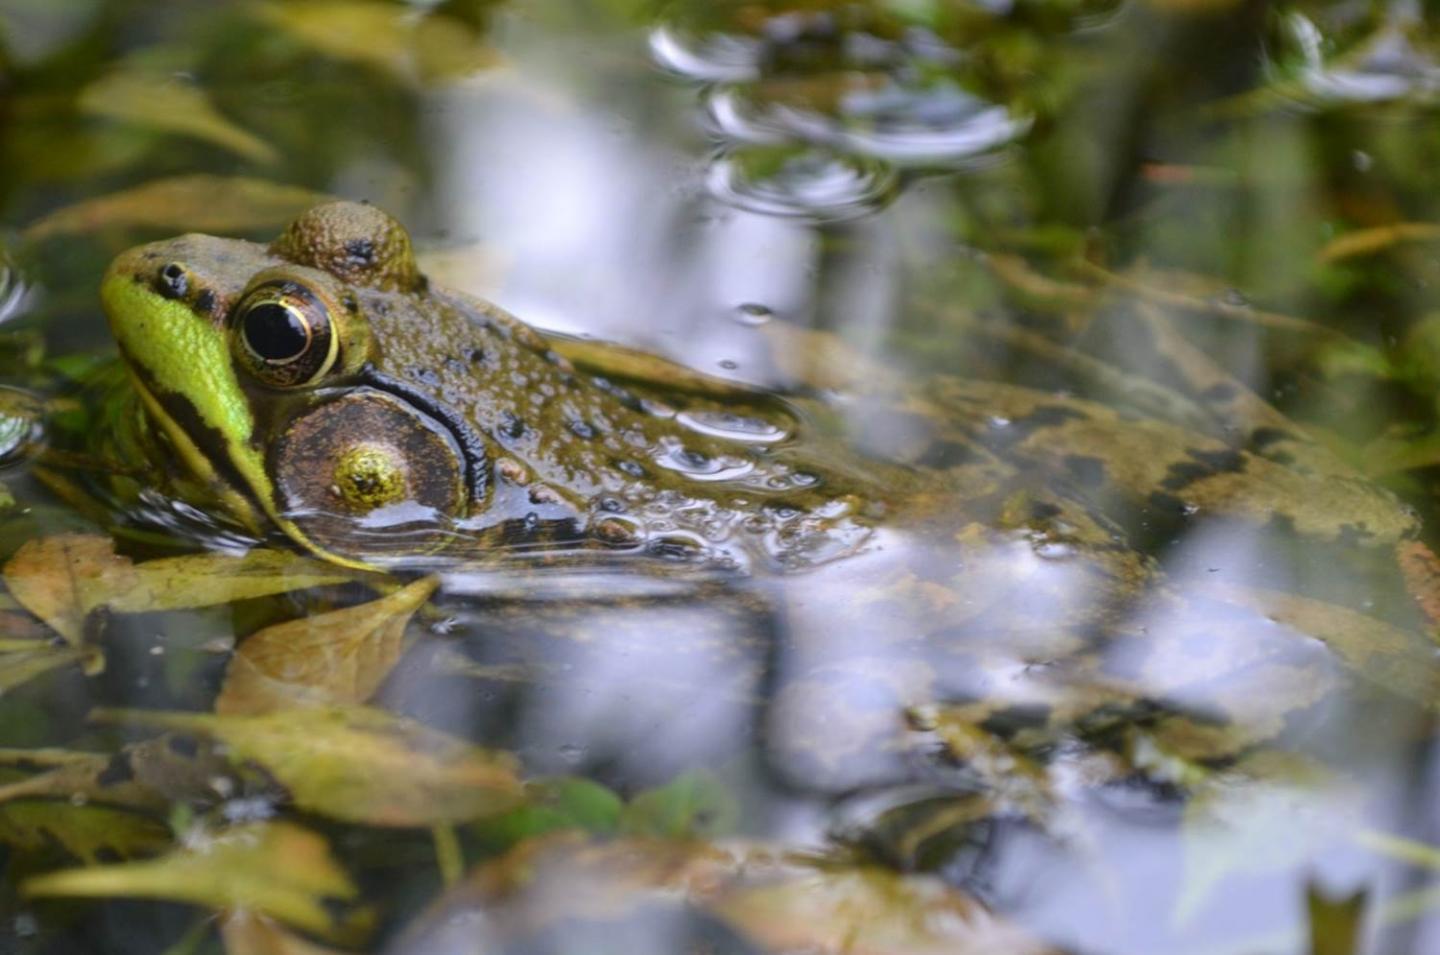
(251, 361)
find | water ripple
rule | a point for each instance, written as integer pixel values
(811, 183)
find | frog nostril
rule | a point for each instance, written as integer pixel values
(173, 282)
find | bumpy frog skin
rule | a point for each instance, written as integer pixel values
(323, 385)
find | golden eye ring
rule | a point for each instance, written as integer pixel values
(283, 335)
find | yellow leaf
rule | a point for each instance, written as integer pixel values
(85, 831)
(337, 657)
(204, 580)
(195, 203)
(276, 868)
(357, 764)
(62, 579)
(246, 933)
(168, 105)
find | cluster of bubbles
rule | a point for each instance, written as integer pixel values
(819, 108)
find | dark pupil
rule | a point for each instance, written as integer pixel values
(274, 332)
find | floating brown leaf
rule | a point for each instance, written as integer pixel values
(166, 104)
(782, 903)
(275, 868)
(61, 579)
(357, 764)
(337, 657)
(194, 203)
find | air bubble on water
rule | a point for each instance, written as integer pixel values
(732, 427)
(729, 364)
(752, 314)
(572, 754)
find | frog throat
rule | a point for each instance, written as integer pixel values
(181, 369)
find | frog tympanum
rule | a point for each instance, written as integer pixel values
(322, 386)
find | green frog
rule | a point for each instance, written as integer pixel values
(321, 387)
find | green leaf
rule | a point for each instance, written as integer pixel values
(690, 805)
(554, 805)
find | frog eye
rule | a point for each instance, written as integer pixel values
(283, 336)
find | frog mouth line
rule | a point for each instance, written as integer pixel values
(473, 453)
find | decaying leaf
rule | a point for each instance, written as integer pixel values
(336, 657)
(277, 869)
(249, 933)
(781, 903)
(168, 105)
(150, 775)
(357, 764)
(222, 205)
(382, 35)
(88, 832)
(61, 579)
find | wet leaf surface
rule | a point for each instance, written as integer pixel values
(276, 869)
(357, 764)
(327, 658)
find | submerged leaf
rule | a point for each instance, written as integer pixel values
(248, 933)
(195, 203)
(168, 105)
(336, 657)
(85, 831)
(357, 764)
(150, 775)
(690, 805)
(276, 868)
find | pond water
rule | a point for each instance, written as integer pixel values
(1030, 540)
